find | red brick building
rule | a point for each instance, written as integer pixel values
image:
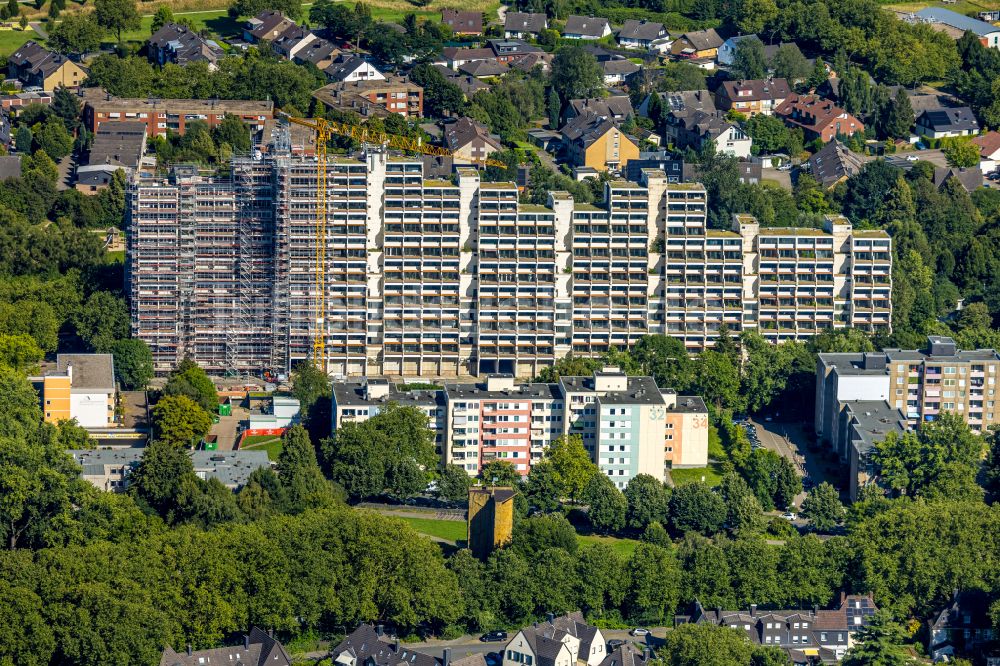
(172, 115)
(818, 117)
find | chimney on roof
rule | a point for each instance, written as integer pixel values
(646, 654)
(380, 629)
(753, 610)
(815, 609)
(189, 649)
(446, 657)
(246, 641)
(551, 618)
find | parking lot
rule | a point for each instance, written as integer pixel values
(791, 440)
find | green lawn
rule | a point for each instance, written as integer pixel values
(116, 257)
(712, 474)
(624, 547)
(449, 530)
(268, 443)
(962, 6)
(11, 40)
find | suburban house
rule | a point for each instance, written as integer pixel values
(469, 85)
(266, 26)
(959, 24)
(81, 387)
(640, 34)
(519, 25)
(989, 151)
(470, 141)
(258, 649)
(618, 71)
(970, 178)
(697, 128)
(826, 634)
(943, 123)
(484, 69)
(36, 66)
(627, 654)
(463, 23)
(371, 646)
(964, 628)
(586, 27)
(350, 68)
(504, 51)
(697, 45)
(681, 101)
(834, 163)
(817, 117)
(726, 54)
(116, 146)
(319, 52)
(292, 40)
(615, 107)
(559, 641)
(374, 98)
(595, 141)
(180, 44)
(753, 96)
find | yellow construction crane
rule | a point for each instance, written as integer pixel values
(325, 129)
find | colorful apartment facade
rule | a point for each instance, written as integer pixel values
(81, 387)
(627, 424)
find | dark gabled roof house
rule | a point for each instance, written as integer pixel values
(640, 33)
(938, 123)
(463, 23)
(702, 40)
(180, 44)
(371, 646)
(519, 24)
(834, 163)
(258, 649)
(963, 628)
(35, 65)
(616, 107)
(970, 178)
(586, 27)
(266, 26)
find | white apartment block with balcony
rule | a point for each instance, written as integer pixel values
(456, 278)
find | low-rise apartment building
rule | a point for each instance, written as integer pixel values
(920, 383)
(374, 98)
(110, 469)
(807, 635)
(171, 115)
(628, 424)
(751, 97)
(36, 66)
(81, 387)
(559, 641)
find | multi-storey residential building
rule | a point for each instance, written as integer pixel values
(921, 384)
(453, 278)
(376, 98)
(628, 425)
(171, 115)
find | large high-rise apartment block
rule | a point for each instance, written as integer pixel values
(457, 278)
(627, 424)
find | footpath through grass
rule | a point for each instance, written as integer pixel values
(268, 443)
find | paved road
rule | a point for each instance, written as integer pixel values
(39, 29)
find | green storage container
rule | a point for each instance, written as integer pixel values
(225, 409)
(211, 446)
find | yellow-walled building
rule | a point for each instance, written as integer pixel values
(81, 387)
(596, 142)
(491, 519)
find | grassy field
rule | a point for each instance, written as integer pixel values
(11, 40)
(268, 443)
(712, 474)
(116, 257)
(449, 530)
(624, 547)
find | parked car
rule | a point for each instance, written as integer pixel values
(493, 636)
(788, 515)
(639, 631)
